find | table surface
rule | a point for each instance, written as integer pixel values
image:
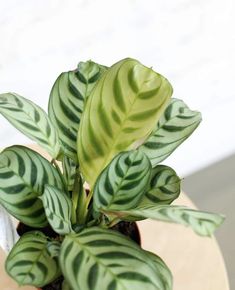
(196, 262)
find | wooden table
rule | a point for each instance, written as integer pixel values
(196, 262)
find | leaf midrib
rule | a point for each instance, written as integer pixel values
(36, 123)
(98, 261)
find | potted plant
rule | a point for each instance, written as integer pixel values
(107, 130)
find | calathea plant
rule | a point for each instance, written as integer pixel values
(107, 130)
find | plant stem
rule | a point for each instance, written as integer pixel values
(79, 199)
(114, 222)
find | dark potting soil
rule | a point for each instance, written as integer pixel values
(128, 229)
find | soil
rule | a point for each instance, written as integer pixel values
(128, 229)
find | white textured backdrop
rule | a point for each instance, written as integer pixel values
(190, 42)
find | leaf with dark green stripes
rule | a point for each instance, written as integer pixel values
(23, 174)
(123, 182)
(162, 270)
(29, 262)
(97, 259)
(53, 248)
(67, 100)
(203, 223)
(69, 172)
(164, 186)
(58, 208)
(123, 108)
(176, 124)
(31, 120)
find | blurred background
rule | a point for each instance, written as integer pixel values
(192, 43)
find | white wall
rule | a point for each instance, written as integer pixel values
(190, 42)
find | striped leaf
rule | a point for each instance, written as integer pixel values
(67, 100)
(162, 270)
(97, 259)
(31, 120)
(123, 182)
(123, 108)
(176, 124)
(203, 223)
(164, 186)
(58, 209)
(29, 262)
(69, 172)
(53, 248)
(23, 174)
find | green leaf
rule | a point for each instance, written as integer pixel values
(53, 248)
(29, 262)
(123, 182)
(23, 174)
(67, 100)
(162, 270)
(97, 259)
(58, 208)
(69, 172)
(123, 108)
(31, 120)
(203, 223)
(176, 124)
(164, 186)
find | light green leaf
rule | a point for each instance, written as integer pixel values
(123, 182)
(176, 124)
(162, 270)
(23, 174)
(58, 208)
(164, 186)
(69, 172)
(31, 120)
(123, 108)
(203, 223)
(29, 262)
(97, 259)
(67, 100)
